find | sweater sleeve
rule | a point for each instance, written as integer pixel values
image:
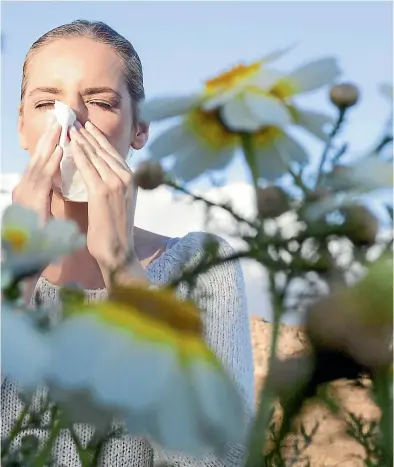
(220, 294)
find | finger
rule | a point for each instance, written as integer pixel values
(54, 162)
(102, 140)
(46, 146)
(88, 172)
(105, 163)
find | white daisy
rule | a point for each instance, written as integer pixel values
(141, 354)
(27, 246)
(24, 349)
(346, 185)
(248, 98)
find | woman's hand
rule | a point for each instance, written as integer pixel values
(34, 190)
(111, 199)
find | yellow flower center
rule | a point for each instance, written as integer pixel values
(230, 78)
(157, 317)
(283, 89)
(208, 127)
(16, 238)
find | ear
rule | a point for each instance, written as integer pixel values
(140, 136)
(21, 133)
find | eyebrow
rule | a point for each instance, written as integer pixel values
(86, 92)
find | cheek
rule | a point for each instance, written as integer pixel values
(34, 127)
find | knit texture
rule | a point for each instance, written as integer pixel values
(220, 294)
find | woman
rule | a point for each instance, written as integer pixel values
(97, 73)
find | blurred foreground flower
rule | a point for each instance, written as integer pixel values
(246, 99)
(27, 247)
(24, 350)
(141, 354)
(358, 320)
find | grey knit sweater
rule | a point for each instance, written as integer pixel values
(220, 294)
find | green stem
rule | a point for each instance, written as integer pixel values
(84, 456)
(383, 399)
(327, 148)
(42, 459)
(5, 446)
(267, 398)
(247, 146)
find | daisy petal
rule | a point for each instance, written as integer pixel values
(269, 162)
(168, 142)
(219, 403)
(220, 98)
(178, 405)
(24, 350)
(192, 161)
(315, 74)
(314, 122)
(277, 54)
(17, 216)
(267, 110)
(237, 116)
(167, 107)
(290, 150)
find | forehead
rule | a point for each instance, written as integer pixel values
(76, 62)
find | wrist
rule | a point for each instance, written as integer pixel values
(129, 271)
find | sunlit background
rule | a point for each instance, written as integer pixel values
(181, 44)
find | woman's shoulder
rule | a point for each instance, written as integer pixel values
(190, 250)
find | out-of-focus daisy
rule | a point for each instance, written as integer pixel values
(386, 89)
(247, 99)
(142, 354)
(24, 349)
(346, 184)
(27, 246)
(200, 143)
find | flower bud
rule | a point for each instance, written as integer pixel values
(357, 320)
(361, 225)
(149, 175)
(344, 95)
(272, 202)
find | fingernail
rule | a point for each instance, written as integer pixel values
(77, 125)
(88, 125)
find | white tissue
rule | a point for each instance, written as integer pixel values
(72, 187)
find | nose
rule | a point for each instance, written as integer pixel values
(79, 107)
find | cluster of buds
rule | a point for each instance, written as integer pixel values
(272, 202)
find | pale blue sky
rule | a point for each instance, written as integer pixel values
(181, 44)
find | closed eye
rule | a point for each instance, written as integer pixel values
(103, 105)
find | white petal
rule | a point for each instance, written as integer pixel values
(221, 98)
(315, 74)
(24, 350)
(267, 110)
(265, 78)
(277, 54)
(64, 235)
(192, 161)
(386, 89)
(237, 116)
(21, 217)
(269, 162)
(138, 374)
(290, 150)
(177, 418)
(167, 107)
(314, 122)
(169, 141)
(219, 404)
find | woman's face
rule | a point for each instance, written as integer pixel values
(89, 77)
